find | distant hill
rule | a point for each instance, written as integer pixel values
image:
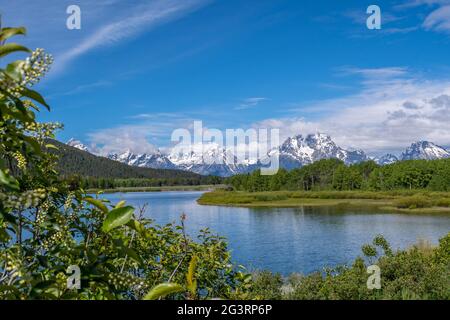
(77, 162)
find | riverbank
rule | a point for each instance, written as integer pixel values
(160, 189)
(407, 201)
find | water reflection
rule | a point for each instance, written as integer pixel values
(290, 240)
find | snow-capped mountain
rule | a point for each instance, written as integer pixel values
(77, 144)
(386, 159)
(295, 152)
(156, 160)
(425, 150)
(209, 158)
(299, 151)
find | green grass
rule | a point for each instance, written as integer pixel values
(400, 200)
(413, 202)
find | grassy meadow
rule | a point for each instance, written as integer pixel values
(397, 201)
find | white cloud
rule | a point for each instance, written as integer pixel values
(393, 109)
(141, 137)
(103, 23)
(418, 3)
(250, 103)
(83, 88)
(375, 73)
(144, 17)
(122, 138)
(387, 115)
(403, 30)
(438, 20)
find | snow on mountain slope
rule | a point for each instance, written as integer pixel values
(155, 161)
(386, 159)
(295, 152)
(299, 151)
(77, 144)
(208, 158)
(424, 150)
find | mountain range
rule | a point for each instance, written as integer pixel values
(295, 152)
(75, 161)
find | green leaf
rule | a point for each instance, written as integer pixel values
(162, 290)
(120, 204)
(4, 236)
(12, 47)
(7, 33)
(9, 218)
(10, 291)
(13, 70)
(51, 146)
(125, 251)
(16, 102)
(97, 203)
(132, 254)
(136, 225)
(117, 217)
(191, 281)
(36, 96)
(33, 143)
(8, 181)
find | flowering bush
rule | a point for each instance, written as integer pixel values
(48, 226)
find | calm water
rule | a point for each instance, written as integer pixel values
(290, 240)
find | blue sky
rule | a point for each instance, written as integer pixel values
(139, 69)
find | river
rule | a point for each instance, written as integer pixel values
(288, 240)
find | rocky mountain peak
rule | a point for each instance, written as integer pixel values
(424, 150)
(77, 144)
(294, 152)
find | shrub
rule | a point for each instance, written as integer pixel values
(47, 225)
(444, 202)
(413, 202)
(420, 272)
(266, 285)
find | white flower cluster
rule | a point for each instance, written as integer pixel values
(61, 236)
(10, 85)
(61, 280)
(40, 217)
(68, 202)
(27, 199)
(12, 265)
(35, 67)
(32, 70)
(43, 130)
(21, 161)
(56, 238)
(124, 281)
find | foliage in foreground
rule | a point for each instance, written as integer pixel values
(47, 226)
(421, 272)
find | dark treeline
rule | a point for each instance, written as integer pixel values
(111, 183)
(89, 171)
(333, 174)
